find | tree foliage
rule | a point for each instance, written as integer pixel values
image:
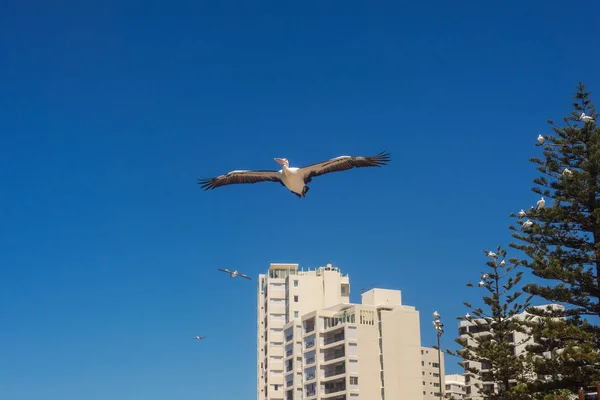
(562, 244)
(489, 339)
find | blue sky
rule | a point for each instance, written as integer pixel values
(110, 111)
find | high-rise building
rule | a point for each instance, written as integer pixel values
(430, 369)
(455, 387)
(519, 339)
(314, 344)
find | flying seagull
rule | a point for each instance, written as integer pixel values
(198, 337)
(233, 274)
(294, 178)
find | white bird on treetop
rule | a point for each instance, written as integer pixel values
(540, 139)
(484, 276)
(467, 316)
(522, 213)
(502, 263)
(481, 284)
(586, 118)
(567, 171)
(541, 203)
(492, 254)
(526, 225)
(294, 178)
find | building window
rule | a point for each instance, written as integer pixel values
(296, 314)
(295, 299)
(422, 363)
(354, 380)
(295, 283)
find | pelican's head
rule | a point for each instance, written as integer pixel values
(282, 161)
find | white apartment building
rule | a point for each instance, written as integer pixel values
(314, 344)
(471, 390)
(455, 387)
(430, 370)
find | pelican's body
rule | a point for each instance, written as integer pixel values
(294, 178)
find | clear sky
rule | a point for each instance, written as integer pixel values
(110, 111)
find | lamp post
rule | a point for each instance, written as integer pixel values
(439, 328)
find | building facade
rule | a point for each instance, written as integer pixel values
(455, 387)
(314, 344)
(521, 340)
(430, 370)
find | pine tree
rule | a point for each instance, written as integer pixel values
(561, 239)
(489, 338)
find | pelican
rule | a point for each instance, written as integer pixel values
(541, 203)
(484, 277)
(198, 337)
(540, 139)
(294, 178)
(492, 254)
(502, 263)
(436, 315)
(522, 213)
(481, 284)
(467, 316)
(233, 274)
(567, 171)
(526, 225)
(586, 118)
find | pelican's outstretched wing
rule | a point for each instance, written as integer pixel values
(235, 177)
(226, 270)
(343, 163)
(244, 276)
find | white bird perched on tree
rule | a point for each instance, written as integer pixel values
(467, 316)
(436, 315)
(522, 213)
(567, 171)
(492, 254)
(541, 203)
(540, 139)
(526, 225)
(502, 263)
(481, 284)
(484, 277)
(586, 118)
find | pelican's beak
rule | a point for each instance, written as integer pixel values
(279, 160)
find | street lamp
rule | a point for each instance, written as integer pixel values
(439, 328)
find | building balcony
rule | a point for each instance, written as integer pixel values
(333, 370)
(334, 387)
(332, 355)
(309, 360)
(333, 338)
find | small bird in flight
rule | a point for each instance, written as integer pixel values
(233, 274)
(198, 337)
